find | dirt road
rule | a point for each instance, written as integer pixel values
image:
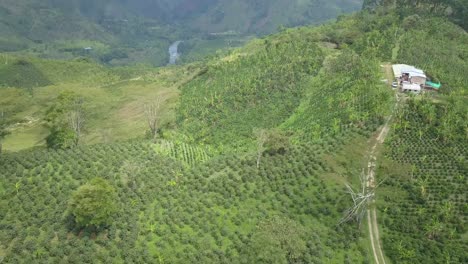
(371, 212)
(371, 182)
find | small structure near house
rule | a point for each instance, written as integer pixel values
(411, 87)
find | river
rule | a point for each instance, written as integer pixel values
(174, 52)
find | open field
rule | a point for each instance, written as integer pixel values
(114, 99)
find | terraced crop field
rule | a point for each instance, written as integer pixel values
(222, 210)
(423, 201)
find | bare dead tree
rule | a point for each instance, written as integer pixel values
(153, 115)
(361, 200)
(76, 119)
(262, 137)
(130, 171)
(3, 129)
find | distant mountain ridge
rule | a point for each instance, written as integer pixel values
(456, 10)
(122, 32)
(57, 17)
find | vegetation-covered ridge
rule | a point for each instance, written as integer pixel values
(260, 87)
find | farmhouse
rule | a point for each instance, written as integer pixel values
(409, 77)
(409, 73)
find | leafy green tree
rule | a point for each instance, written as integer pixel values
(65, 119)
(60, 138)
(93, 204)
(277, 240)
(277, 143)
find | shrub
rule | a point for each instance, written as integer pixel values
(93, 204)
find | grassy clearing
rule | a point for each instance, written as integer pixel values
(114, 100)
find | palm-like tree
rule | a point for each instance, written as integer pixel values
(17, 186)
(434, 228)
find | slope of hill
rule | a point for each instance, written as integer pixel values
(114, 97)
(224, 209)
(422, 198)
(207, 192)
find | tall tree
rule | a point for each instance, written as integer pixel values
(76, 118)
(262, 137)
(65, 119)
(153, 115)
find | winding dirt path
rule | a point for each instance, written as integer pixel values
(372, 211)
(371, 182)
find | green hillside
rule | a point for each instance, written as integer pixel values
(254, 153)
(423, 209)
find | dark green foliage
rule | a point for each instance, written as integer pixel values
(225, 209)
(113, 55)
(93, 204)
(60, 137)
(455, 10)
(207, 213)
(426, 222)
(277, 142)
(122, 32)
(3, 129)
(278, 240)
(60, 117)
(347, 94)
(21, 74)
(261, 88)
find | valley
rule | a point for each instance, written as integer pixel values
(123, 33)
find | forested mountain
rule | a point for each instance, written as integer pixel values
(128, 31)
